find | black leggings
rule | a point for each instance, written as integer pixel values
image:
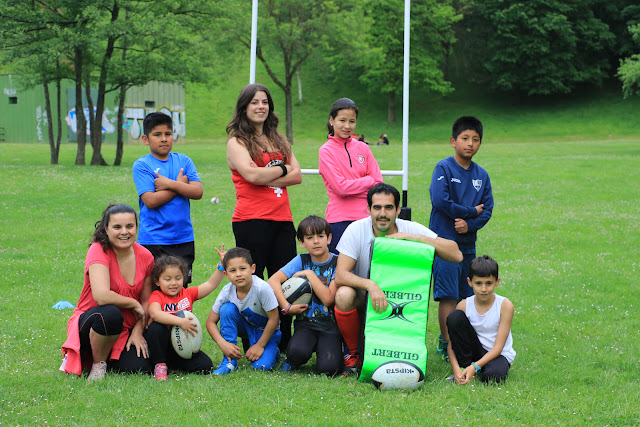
(328, 348)
(108, 320)
(158, 338)
(467, 348)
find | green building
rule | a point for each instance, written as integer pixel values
(23, 115)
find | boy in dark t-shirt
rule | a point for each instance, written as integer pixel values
(315, 325)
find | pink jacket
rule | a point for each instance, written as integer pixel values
(348, 170)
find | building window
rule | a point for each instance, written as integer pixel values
(150, 104)
(13, 100)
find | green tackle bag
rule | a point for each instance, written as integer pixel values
(396, 338)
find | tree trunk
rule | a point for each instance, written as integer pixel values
(120, 143)
(59, 118)
(287, 96)
(121, 99)
(47, 109)
(391, 115)
(97, 158)
(95, 129)
(81, 124)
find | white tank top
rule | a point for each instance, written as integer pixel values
(486, 326)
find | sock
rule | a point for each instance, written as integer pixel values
(349, 324)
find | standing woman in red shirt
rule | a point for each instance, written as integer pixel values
(262, 167)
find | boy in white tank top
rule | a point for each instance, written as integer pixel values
(480, 328)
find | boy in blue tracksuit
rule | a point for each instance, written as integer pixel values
(462, 203)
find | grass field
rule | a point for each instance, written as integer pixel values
(564, 230)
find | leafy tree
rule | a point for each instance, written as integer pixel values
(92, 32)
(31, 48)
(629, 71)
(537, 46)
(289, 32)
(431, 37)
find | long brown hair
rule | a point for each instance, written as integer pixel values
(242, 128)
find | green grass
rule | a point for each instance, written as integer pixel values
(564, 231)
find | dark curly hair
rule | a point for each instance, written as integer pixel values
(100, 233)
(164, 261)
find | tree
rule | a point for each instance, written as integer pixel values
(290, 31)
(33, 49)
(537, 47)
(431, 38)
(91, 32)
(629, 71)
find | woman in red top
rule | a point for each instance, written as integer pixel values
(107, 325)
(262, 167)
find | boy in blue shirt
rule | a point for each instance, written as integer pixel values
(316, 329)
(165, 182)
(245, 307)
(462, 203)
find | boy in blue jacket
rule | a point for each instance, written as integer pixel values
(462, 203)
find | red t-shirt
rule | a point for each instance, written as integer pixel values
(261, 201)
(183, 301)
(144, 265)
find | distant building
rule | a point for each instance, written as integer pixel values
(23, 115)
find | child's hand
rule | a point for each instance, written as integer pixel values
(181, 177)
(231, 351)
(297, 309)
(188, 326)
(304, 273)
(461, 226)
(479, 208)
(466, 375)
(221, 253)
(162, 182)
(255, 352)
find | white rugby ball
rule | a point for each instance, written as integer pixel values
(396, 375)
(183, 342)
(297, 290)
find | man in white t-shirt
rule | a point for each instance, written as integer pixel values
(354, 261)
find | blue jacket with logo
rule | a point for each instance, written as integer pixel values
(455, 192)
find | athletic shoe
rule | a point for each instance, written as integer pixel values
(441, 349)
(98, 371)
(350, 365)
(226, 367)
(160, 371)
(286, 366)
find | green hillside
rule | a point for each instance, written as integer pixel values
(592, 114)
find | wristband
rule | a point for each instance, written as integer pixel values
(284, 170)
(476, 366)
(286, 310)
(220, 267)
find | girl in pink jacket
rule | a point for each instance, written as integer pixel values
(348, 170)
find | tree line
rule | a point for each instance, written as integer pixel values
(529, 47)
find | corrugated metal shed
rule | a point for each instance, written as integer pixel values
(23, 116)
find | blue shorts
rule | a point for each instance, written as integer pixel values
(450, 279)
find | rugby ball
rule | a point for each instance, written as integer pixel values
(297, 290)
(183, 342)
(397, 375)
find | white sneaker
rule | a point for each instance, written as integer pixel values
(98, 371)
